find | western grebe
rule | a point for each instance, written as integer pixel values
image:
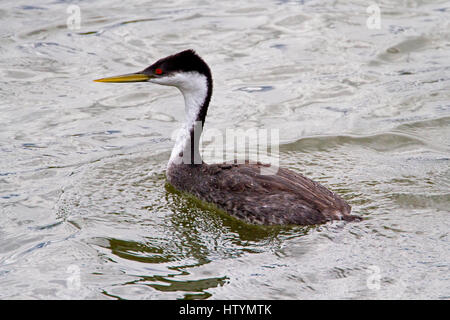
(241, 190)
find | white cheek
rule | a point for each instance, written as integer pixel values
(185, 81)
(192, 85)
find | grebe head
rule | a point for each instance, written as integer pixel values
(182, 70)
(192, 76)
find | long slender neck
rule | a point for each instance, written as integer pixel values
(197, 90)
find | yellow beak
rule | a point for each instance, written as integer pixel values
(131, 77)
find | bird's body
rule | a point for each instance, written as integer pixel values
(242, 190)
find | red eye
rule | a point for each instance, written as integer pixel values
(158, 71)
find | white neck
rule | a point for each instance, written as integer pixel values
(194, 87)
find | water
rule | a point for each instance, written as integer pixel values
(84, 208)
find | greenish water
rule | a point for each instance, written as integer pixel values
(85, 211)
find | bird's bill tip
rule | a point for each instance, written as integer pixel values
(132, 77)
